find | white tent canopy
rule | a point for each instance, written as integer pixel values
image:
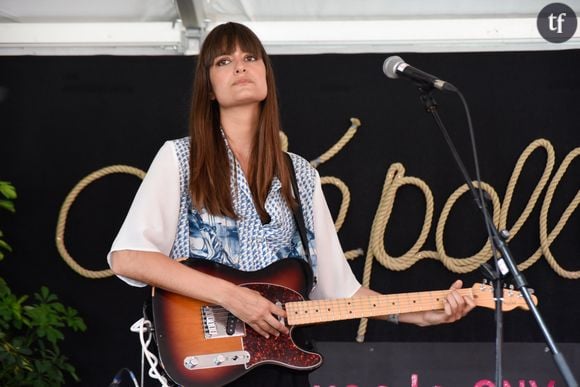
(176, 27)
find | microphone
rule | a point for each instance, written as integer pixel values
(394, 66)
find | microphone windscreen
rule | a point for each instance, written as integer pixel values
(390, 66)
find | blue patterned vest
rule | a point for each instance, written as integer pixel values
(244, 243)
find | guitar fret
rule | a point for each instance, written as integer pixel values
(309, 312)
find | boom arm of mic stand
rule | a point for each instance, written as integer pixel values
(431, 107)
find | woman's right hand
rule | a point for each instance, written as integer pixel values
(258, 312)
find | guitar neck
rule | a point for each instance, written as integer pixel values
(319, 311)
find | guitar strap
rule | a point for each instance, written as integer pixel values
(298, 214)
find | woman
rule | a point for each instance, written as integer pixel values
(225, 195)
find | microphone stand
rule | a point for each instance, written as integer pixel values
(504, 264)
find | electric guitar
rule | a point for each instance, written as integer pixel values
(205, 345)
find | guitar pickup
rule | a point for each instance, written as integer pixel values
(231, 324)
(219, 323)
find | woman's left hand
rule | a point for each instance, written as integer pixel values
(456, 306)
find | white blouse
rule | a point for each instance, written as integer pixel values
(153, 217)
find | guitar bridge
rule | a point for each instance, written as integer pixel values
(219, 323)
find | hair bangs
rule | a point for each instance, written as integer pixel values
(224, 39)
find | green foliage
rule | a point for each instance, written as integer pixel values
(31, 329)
(9, 193)
(30, 333)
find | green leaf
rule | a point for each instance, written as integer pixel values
(7, 205)
(8, 190)
(42, 365)
(53, 335)
(74, 321)
(45, 296)
(71, 370)
(44, 293)
(60, 308)
(5, 245)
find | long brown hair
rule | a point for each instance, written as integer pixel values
(209, 167)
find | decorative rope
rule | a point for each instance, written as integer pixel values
(345, 198)
(537, 191)
(546, 240)
(352, 254)
(533, 198)
(351, 131)
(63, 214)
(467, 264)
(395, 178)
(349, 134)
(346, 137)
(284, 141)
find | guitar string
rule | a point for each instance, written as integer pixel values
(402, 300)
(512, 299)
(353, 308)
(399, 301)
(345, 307)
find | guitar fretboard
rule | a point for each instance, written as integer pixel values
(318, 311)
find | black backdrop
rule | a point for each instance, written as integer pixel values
(65, 117)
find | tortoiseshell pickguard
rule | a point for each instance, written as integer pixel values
(281, 349)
